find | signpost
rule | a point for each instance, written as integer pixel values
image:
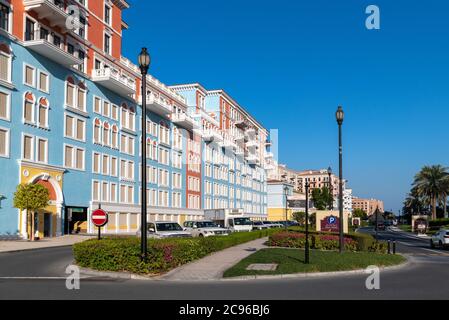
(99, 219)
(330, 224)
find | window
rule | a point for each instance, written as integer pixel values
(43, 115)
(127, 144)
(97, 131)
(29, 30)
(113, 192)
(29, 75)
(114, 137)
(107, 43)
(81, 99)
(28, 111)
(105, 191)
(106, 106)
(42, 150)
(106, 134)
(95, 190)
(105, 164)
(4, 17)
(82, 57)
(107, 14)
(27, 148)
(114, 112)
(4, 106)
(114, 167)
(70, 94)
(75, 128)
(5, 63)
(4, 142)
(74, 157)
(43, 82)
(97, 105)
(96, 163)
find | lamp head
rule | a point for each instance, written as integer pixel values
(339, 115)
(144, 60)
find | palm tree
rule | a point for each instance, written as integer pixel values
(432, 182)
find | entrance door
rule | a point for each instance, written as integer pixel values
(76, 220)
(47, 225)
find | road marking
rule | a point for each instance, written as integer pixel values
(410, 245)
(33, 278)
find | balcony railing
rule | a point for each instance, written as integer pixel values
(52, 10)
(51, 46)
(184, 120)
(114, 81)
(158, 105)
(212, 135)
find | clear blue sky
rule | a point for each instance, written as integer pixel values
(291, 63)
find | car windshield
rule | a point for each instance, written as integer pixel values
(242, 222)
(206, 224)
(168, 227)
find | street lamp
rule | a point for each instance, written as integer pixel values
(340, 116)
(329, 173)
(144, 64)
(306, 260)
(286, 205)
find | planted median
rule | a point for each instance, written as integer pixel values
(122, 254)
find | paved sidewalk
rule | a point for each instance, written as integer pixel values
(20, 245)
(213, 266)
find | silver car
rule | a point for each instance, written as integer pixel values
(205, 229)
(165, 229)
(440, 239)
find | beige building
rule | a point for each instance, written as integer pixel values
(367, 205)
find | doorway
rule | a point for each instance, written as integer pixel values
(75, 220)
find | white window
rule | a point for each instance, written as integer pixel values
(42, 150)
(97, 105)
(5, 65)
(70, 94)
(107, 14)
(106, 134)
(4, 142)
(81, 99)
(127, 170)
(5, 106)
(96, 190)
(113, 197)
(114, 137)
(114, 163)
(29, 75)
(106, 108)
(127, 144)
(105, 165)
(96, 163)
(97, 131)
(107, 43)
(74, 157)
(44, 82)
(43, 115)
(105, 191)
(27, 148)
(28, 111)
(114, 112)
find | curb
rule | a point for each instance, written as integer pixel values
(403, 265)
(35, 249)
(158, 277)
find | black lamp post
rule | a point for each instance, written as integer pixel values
(144, 64)
(306, 259)
(329, 173)
(340, 116)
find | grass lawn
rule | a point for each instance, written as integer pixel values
(405, 227)
(292, 261)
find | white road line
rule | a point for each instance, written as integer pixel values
(410, 245)
(33, 278)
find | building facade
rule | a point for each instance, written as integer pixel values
(70, 120)
(367, 205)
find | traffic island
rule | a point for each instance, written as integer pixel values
(291, 261)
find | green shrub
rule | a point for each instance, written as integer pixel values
(438, 223)
(123, 253)
(326, 241)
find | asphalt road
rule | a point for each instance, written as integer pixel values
(40, 274)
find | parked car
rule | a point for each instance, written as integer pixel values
(205, 229)
(271, 224)
(165, 229)
(440, 239)
(259, 225)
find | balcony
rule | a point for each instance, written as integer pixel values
(252, 144)
(51, 10)
(229, 144)
(159, 106)
(50, 47)
(269, 155)
(212, 136)
(252, 159)
(241, 124)
(114, 81)
(239, 151)
(184, 120)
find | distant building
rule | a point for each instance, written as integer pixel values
(277, 200)
(347, 200)
(367, 205)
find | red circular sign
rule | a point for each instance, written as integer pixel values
(99, 217)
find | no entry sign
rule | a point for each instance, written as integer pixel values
(99, 218)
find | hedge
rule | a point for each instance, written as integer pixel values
(327, 241)
(438, 223)
(123, 254)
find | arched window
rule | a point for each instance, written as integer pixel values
(81, 96)
(5, 62)
(28, 108)
(43, 113)
(106, 134)
(114, 137)
(70, 92)
(97, 131)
